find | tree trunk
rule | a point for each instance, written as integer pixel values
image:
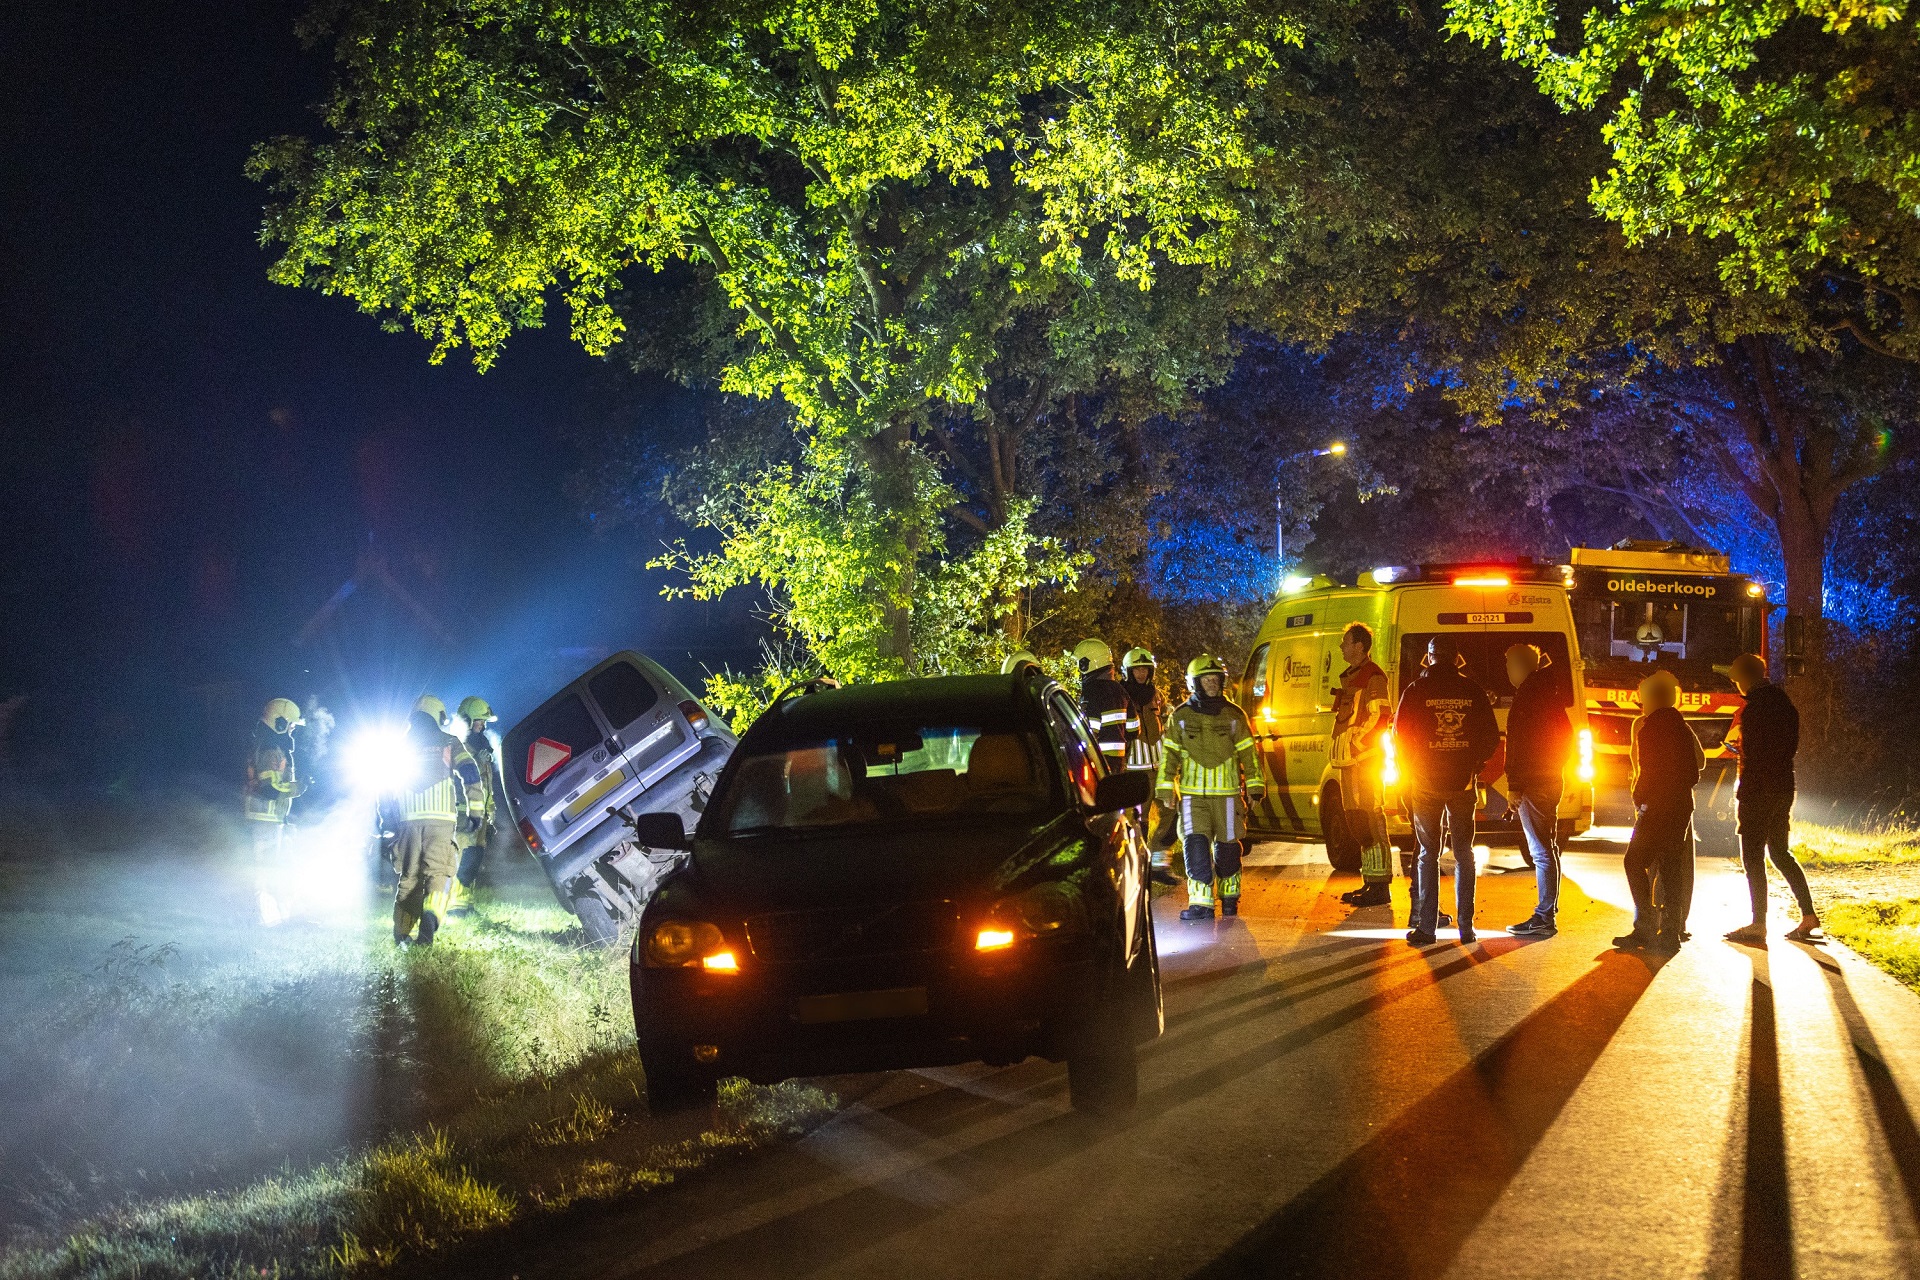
(890, 474)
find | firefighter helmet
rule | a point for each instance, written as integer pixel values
(1091, 655)
(475, 711)
(1204, 665)
(433, 706)
(1016, 660)
(1137, 658)
(281, 714)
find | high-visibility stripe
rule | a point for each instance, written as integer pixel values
(437, 803)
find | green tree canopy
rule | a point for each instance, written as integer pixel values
(877, 190)
(1785, 131)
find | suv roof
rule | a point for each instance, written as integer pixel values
(928, 699)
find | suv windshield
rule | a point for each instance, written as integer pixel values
(903, 774)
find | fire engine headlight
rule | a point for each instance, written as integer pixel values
(1583, 761)
(378, 761)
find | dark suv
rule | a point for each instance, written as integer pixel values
(903, 875)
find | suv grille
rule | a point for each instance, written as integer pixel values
(788, 936)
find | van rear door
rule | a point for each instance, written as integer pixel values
(561, 763)
(650, 732)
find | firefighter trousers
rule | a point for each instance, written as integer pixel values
(1363, 809)
(1210, 830)
(424, 858)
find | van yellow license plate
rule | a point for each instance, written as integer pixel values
(862, 1006)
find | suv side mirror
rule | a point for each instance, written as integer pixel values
(1127, 789)
(661, 831)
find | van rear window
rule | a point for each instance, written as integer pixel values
(1486, 655)
(623, 693)
(565, 722)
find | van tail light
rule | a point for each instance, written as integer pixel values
(531, 833)
(1389, 761)
(1583, 756)
(696, 716)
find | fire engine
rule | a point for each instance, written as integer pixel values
(1641, 607)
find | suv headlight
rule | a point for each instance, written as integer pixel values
(1042, 911)
(689, 944)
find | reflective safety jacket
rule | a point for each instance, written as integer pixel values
(1208, 751)
(1361, 714)
(1104, 705)
(446, 777)
(1143, 724)
(480, 795)
(271, 786)
(272, 781)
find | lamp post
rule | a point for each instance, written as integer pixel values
(1334, 450)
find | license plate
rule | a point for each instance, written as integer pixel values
(861, 1006)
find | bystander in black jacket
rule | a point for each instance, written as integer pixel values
(1769, 737)
(1539, 735)
(1444, 731)
(1669, 758)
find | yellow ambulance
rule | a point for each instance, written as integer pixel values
(1287, 687)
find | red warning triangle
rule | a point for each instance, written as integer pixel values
(543, 757)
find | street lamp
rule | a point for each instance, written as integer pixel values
(1334, 450)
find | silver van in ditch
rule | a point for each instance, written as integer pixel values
(624, 736)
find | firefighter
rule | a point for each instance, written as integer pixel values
(1145, 711)
(435, 799)
(273, 782)
(1209, 766)
(476, 832)
(1362, 714)
(1103, 703)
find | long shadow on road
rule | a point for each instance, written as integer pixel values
(810, 1231)
(1403, 1204)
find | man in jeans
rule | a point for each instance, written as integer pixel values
(1446, 733)
(1538, 738)
(1766, 734)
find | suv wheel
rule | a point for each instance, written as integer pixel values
(672, 1087)
(1103, 1074)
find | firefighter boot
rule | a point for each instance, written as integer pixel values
(429, 925)
(1374, 893)
(1229, 893)
(1199, 900)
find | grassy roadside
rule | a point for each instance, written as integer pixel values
(498, 1065)
(1866, 885)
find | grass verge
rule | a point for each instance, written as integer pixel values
(1886, 933)
(503, 1079)
(1884, 844)
(1864, 880)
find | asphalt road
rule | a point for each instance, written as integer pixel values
(1330, 1102)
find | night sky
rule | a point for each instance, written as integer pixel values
(196, 460)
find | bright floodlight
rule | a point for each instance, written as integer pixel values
(1337, 447)
(1295, 582)
(379, 760)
